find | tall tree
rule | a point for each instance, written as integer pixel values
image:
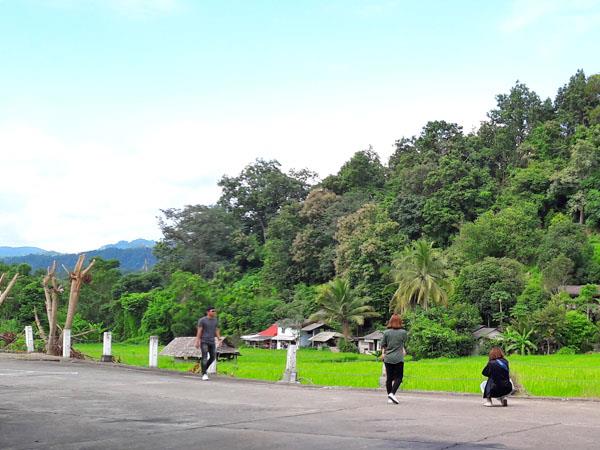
(421, 275)
(341, 306)
(257, 194)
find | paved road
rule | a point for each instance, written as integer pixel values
(82, 405)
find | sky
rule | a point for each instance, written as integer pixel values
(111, 110)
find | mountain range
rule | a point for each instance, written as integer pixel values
(133, 256)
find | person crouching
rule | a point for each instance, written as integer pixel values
(498, 384)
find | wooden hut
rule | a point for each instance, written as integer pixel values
(184, 349)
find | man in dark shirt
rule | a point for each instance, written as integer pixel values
(208, 328)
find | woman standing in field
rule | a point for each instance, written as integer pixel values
(392, 353)
(498, 384)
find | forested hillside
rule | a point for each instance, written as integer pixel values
(456, 229)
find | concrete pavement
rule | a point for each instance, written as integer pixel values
(66, 405)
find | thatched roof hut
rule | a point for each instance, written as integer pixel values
(183, 348)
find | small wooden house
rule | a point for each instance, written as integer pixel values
(326, 339)
(310, 331)
(184, 349)
(370, 343)
(483, 333)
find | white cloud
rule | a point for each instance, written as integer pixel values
(69, 195)
(574, 15)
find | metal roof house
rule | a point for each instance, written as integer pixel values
(370, 343)
(273, 337)
(326, 339)
(311, 330)
(483, 333)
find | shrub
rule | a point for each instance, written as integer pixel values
(579, 332)
(566, 350)
(347, 346)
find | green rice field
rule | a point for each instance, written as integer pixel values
(539, 375)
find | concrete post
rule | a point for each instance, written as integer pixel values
(383, 377)
(153, 353)
(66, 344)
(107, 347)
(291, 374)
(29, 339)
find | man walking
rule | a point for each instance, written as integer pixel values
(208, 328)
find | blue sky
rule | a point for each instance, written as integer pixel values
(124, 107)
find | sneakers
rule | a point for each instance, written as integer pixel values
(504, 401)
(393, 398)
(390, 402)
(488, 402)
(204, 377)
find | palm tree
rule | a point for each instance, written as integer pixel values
(340, 305)
(519, 340)
(421, 275)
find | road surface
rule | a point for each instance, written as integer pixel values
(66, 405)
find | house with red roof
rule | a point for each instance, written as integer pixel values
(273, 337)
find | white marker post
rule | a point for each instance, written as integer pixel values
(107, 347)
(291, 374)
(29, 339)
(153, 353)
(66, 344)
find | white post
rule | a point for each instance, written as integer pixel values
(107, 347)
(29, 339)
(153, 353)
(291, 374)
(66, 344)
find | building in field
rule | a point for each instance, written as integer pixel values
(327, 339)
(370, 343)
(274, 337)
(310, 331)
(483, 334)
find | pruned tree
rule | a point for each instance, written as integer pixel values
(78, 276)
(11, 283)
(51, 292)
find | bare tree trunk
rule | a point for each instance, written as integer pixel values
(41, 331)
(11, 283)
(51, 291)
(77, 278)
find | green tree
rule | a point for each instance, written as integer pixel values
(257, 194)
(363, 172)
(512, 232)
(519, 340)
(579, 332)
(340, 306)
(491, 284)
(422, 277)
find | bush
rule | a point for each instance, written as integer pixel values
(579, 332)
(429, 339)
(567, 351)
(346, 346)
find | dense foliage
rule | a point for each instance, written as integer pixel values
(456, 229)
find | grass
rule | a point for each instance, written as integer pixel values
(541, 375)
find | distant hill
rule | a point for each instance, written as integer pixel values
(133, 256)
(136, 243)
(22, 251)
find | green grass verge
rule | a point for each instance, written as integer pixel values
(553, 375)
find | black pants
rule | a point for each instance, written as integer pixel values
(394, 373)
(208, 348)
